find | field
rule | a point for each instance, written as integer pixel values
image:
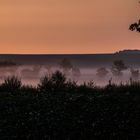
(58, 109)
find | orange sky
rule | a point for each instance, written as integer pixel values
(67, 26)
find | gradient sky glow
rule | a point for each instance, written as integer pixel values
(67, 26)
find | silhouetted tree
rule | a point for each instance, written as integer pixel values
(76, 72)
(102, 72)
(66, 66)
(11, 84)
(55, 82)
(6, 63)
(58, 78)
(117, 67)
(135, 26)
(135, 74)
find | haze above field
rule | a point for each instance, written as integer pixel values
(82, 67)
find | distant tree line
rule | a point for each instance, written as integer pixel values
(67, 68)
(117, 69)
(6, 63)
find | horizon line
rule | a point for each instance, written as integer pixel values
(53, 53)
(98, 53)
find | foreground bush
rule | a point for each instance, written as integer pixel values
(55, 82)
(11, 84)
(84, 112)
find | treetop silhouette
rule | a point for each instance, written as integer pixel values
(135, 26)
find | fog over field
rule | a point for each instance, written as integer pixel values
(31, 74)
(99, 68)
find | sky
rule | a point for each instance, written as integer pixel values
(67, 26)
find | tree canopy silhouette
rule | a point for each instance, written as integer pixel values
(117, 67)
(135, 26)
(66, 65)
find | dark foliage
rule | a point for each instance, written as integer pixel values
(134, 51)
(11, 84)
(135, 26)
(117, 67)
(7, 63)
(66, 65)
(82, 112)
(55, 82)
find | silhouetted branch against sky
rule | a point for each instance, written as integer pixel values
(135, 26)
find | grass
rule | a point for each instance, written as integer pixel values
(58, 109)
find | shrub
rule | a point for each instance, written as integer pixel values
(11, 84)
(71, 86)
(117, 67)
(89, 113)
(55, 82)
(66, 65)
(28, 89)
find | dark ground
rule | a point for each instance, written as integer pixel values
(60, 110)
